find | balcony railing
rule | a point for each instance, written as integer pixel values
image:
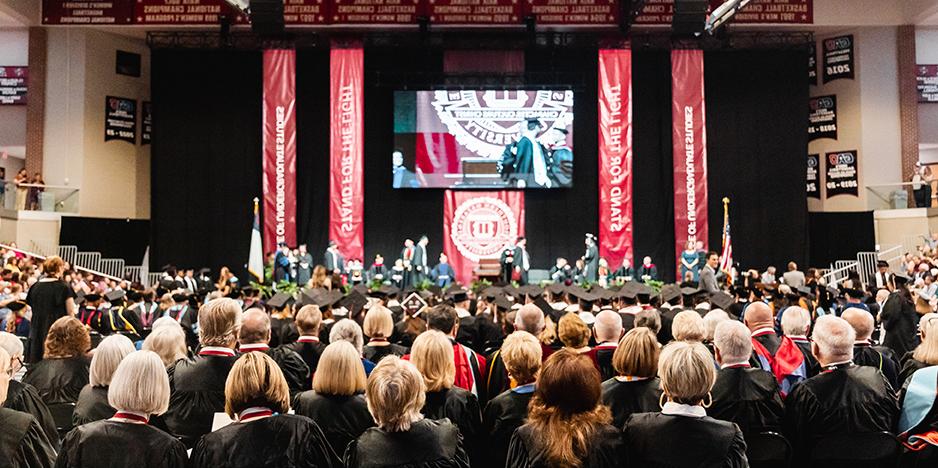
(35, 197)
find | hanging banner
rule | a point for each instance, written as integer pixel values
(926, 83)
(146, 122)
(279, 162)
(480, 225)
(347, 200)
(690, 148)
(13, 85)
(838, 58)
(822, 119)
(813, 190)
(841, 174)
(89, 13)
(120, 119)
(615, 155)
(812, 63)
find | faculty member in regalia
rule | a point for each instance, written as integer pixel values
(63, 372)
(23, 444)
(92, 403)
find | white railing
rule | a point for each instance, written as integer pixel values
(75, 267)
(113, 266)
(839, 271)
(68, 253)
(89, 260)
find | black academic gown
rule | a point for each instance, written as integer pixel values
(496, 379)
(602, 359)
(909, 366)
(813, 367)
(656, 439)
(376, 353)
(900, 322)
(427, 444)
(197, 392)
(105, 444)
(503, 414)
(284, 440)
(294, 368)
(282, 331)
(866, 355)
(591, 262)
(627, 398)
(748, 397)
(58, 380)
(843, 400)
(527, 450)
(342, 418)
(23, 444)
(25, 399)
(462, 408)
(310, 353)
(92, 406)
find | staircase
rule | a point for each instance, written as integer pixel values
(94, 263)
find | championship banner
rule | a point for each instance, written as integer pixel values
(279, 161)
(615, 155)
(690, 148)
(479, 225)
(347, 200)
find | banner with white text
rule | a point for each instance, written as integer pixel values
(615, 155)
(279, 162)
(690, 149)
(478, 226)
(347, 200)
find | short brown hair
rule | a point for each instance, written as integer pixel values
(378, 322)
(572, 331)
(637, 354)
(521, 352)
(340, 370)
(67, 338)
(53, 265)
(442, 317)
(219, 322)
(308, 319)
(256, 380)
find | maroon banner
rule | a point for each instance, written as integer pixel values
(574, 12)
(690, 149)
(479, 12)
(304, 12)
(279, 162)
(480, 225)
(660, 12)
(615, 155)
(87, 12)
(374, 11)
(347, 200)
(195, 12)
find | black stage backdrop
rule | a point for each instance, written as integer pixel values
(126, 239)
(839, 236)
(207, 152)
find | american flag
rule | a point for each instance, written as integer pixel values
(726, 258)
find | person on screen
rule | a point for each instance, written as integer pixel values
(561, 158)
(529, 163)
(401, 176)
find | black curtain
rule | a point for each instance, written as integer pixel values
(839, 236)
(126, 239)
(312, 150)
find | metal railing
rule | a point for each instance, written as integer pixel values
(74, 266)
(68, 253)
(89, 260)
(839, 271)
(39, 197)
(112, 266)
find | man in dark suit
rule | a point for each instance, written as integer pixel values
(529, 163)
(708, 274)
(334, 261)
(591, 259)
(421, 268)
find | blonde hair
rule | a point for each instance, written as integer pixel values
(378, 322)
(688, 326)
(4, 377)
(521, 352)
(140, 384)
(572, 331)
(67, 338)
(432, 353)
(308, 319)
(219, 322)
(107, 356)
(340, 371)
(167, 322)
(167, 342)
(256, 380)
(687, 372)
(395, 394)
(927, 351)
(53, 265)
(637, 353)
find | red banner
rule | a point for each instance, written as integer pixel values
(484, 12)
(615, 155)
(86, 13)
(347, 200)
(690, 149)
(480, 225)
(660, 12)
(188, 12)
(279, 160)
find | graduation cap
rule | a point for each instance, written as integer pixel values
(669, 292)
(491, 293)
(689, 292)
(16, 306)
(531, 290)
(328, 299)
(168, 284)
(389, 290)
(92, 297)
(178, 297)
(305, 298)
(628, 291)
(134, 295)
(548, 311)
(412, 304)
(722, 300)
(280, 300)
(502, 302)
(115, 295)
(354, 302)
(556, 288)
(234, 294)
(360, 288)
(457, 295)
(437, 291)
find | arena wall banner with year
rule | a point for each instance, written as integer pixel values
(615, 155)
(480, 225)
(840, 178)
(347, 200)
(690, 148)
(279, 161)
(838, 58)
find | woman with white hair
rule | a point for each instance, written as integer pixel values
(23, 443)
(139, 390)
(92, 404)
(926, 353)
(24, 397)
(348, 330)
(403, 437)
(688, 325)
(167, 342)
(682, 435)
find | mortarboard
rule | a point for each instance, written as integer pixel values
(280, 300)
(722, 300)
(669, 292)
(115, 295)
(16, 306)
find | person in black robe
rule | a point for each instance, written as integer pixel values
(844, 398)
(864, 353)
(744, 395)
(24, 397)
(49, 299)
(900, 320)
(636, 387)
(403, 438)
(378, 327)
(23, 442)
(92, 404)
(796, 323)
(337, 402)
(264, 435)
(254, 336)
(63, 372)
(682, 434)
(308, 345)
(507, 411)
(140, 390)
(607, 330)
(590, 260)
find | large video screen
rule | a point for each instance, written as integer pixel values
(486, 139)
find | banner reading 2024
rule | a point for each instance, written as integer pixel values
(279, 161)
(615, 155)
(347, 200)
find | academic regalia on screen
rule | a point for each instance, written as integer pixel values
(197, 392)
(106, 443)
(342, 418)
(659, 439)
(376, 353)
(841, 399)
(58, 380)
(23, 443)
(427, 444)
(462, 408)
(527, 450)
(865, 355)
(748, 397)
(272, 442)
(601, 356)
(25, 399)
(92, 405)
(503, 414)
(625, 396)
(561, 167)
(900, 322)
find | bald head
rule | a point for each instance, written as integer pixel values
(833, 340)
(530, 318)
(608, 326)
(758, 315)
(255, 327)
(861, 321)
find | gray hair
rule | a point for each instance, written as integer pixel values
(530, 318)
(168, 342)
(107, 356)
(12, 344)
(834, 338)
(733, 340)
(712, 319)
(688, 326)
(795, 321)
(347, 330)
(140, 384)
(165, 322)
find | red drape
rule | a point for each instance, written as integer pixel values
(279, 143)
(478, 225)
(346, 201)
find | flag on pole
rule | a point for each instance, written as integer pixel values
(145, 269)
(726, 258)
(256, 255)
